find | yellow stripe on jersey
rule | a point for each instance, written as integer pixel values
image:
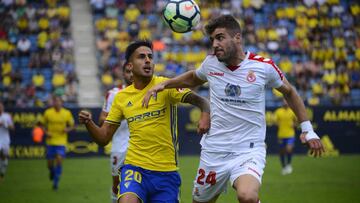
(55, 123)
(153, 141)
(285, 119)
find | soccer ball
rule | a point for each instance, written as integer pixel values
(181, 15)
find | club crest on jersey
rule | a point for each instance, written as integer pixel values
(232, 90)
(129, 104)
(251, 77)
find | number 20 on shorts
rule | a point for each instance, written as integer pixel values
(210, 178)
(133, 175)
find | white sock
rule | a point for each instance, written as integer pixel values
(3, 166)
(114, 197)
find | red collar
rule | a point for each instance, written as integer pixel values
(232, 68)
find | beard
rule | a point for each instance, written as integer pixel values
(229, 54)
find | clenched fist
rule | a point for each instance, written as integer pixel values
(84, 117)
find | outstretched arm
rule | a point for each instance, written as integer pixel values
(203, 104)
(297, 105)
(101, 135)
(188, 79)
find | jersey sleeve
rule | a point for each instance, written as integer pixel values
(274, 76)
(201, 71)
(178, 94)
(115, 114)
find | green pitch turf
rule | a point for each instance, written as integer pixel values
(87, 180)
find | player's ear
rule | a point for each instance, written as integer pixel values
(130, 66)
(237, 37)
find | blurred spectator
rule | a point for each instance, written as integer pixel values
(23, 46)
(38, 80)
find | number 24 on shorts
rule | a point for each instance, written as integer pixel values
(210, 178)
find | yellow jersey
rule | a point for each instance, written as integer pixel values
(55, 123)
(153, 141)
(285, 119)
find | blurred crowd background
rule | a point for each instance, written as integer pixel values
(316, 43)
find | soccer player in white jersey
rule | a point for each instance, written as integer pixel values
(234, 148)
(6, 124)
(121, 137)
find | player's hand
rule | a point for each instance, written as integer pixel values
(313, 142)
(204, 123)
(152, 93)
(84, 117)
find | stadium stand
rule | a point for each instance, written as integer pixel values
(36, 53)
(315, 43)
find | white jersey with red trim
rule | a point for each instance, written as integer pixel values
(120, 139)
(237, 99)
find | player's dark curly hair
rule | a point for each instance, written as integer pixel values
(224, 21)
(134, 45)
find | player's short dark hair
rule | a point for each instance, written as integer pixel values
(224, 21)
(134, 45)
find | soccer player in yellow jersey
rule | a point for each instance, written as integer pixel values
(57, 122)
(286, 121)
(150, 170)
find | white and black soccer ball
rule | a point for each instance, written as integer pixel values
(181, 15)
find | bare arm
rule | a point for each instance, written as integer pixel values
(102, 117)
(295, 102)
(188, 79)
(101, 135)
(203, 104)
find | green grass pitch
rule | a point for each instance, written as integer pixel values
(87, 180)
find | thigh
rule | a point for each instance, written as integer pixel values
(133, 181)
(250, 163)
(212, 176)
(165, 187)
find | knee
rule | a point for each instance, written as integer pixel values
(248, 197)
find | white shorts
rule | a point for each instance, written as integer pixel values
(217, 168)
(116, 161)
(4, 148)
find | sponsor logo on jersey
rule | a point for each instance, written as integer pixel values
(232, 90)
(147, 115)
(251, 77)
(215, 74)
